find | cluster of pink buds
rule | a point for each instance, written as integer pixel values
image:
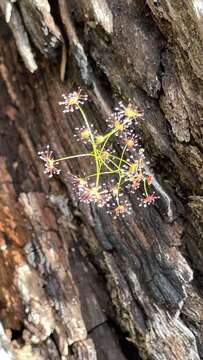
(114, 174)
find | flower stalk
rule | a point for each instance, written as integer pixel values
(126, 172)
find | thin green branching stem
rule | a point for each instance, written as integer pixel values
(106, 139)
(118, 158)
(105, 164)
(121, 158)
(94, 147)
(73, 157)
(112, 162)
(101, 162)
(86, 123)
(123, 169)
(102, 173)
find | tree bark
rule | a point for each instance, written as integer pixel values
(75, 284)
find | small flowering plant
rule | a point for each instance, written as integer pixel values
(114, 174)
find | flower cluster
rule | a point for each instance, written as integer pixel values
(114, 174)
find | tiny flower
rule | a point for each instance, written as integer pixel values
(83, 134)
(130, 142)
(116, 123)
(94, 194)
(73, 100)
(135, 183)
(105, 155)
(148, 199)
(49, 162)
(79, 183)
(121, 210)
(129, 113)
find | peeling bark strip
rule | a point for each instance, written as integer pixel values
(98, 12)
(14, 20)
(42, 29)
(73, 284)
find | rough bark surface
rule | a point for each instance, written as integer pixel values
(74, 284)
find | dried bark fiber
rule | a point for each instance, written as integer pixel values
(75, 284)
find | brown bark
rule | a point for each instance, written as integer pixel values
(74, 283)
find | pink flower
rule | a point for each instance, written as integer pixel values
(148, 199)
(129, 113)
(49, 162)
(79, 183)
(84, 134)
(121, 210)
(135, 183)
(114, 122)
(73, 100)
(94, 194)
(131, 142)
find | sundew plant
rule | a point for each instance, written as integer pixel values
(114, 175)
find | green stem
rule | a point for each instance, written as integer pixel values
(108, 167)
(101, 173)
(121, 158)
(107, 137)
(86, 123)
(94, 147)
(72, 157)
(118, 158)
(113, 163)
